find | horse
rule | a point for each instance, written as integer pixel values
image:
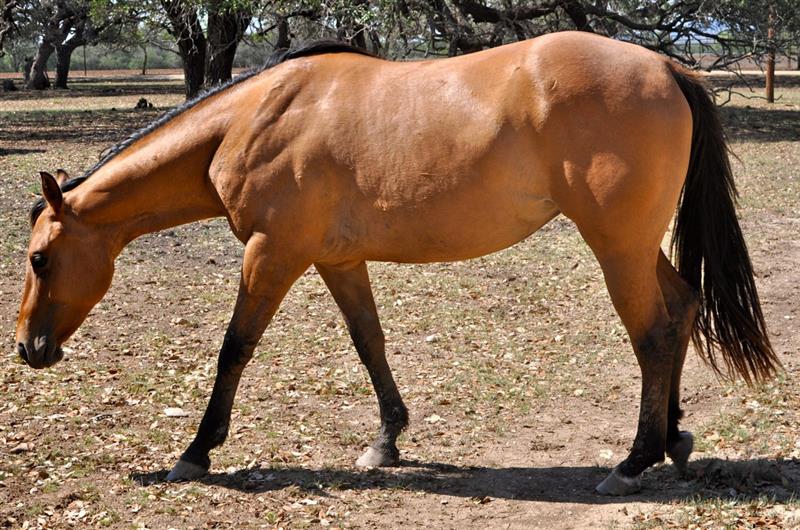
(332, 157)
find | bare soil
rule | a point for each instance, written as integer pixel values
(518, 375)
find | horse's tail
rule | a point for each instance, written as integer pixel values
(710, 252)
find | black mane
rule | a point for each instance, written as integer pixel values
(278, 57)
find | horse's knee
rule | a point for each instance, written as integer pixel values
(235, 353)
(658, 348)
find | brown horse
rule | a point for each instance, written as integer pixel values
(332, 157)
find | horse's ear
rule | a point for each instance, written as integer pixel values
(51, 191)
(61, 176)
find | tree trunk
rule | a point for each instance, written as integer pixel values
(770, 89)
(284, 37)
(27, 66)
(576, 12)
(185, 27)
(38, 79)
(225, 30)
(193, 56)
(63, 58)
(144, 61)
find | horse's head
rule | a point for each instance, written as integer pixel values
(69, 269)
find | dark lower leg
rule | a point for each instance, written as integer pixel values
(265, 281)
(349, 285)
(674, 413)
(679, 444)
(213, 429)
(682, 304)
(658, 357)
(393, 412)
(640, 303)
(650, 442)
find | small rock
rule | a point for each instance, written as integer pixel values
(434, 418)
(21, 448)
(143, 104)
(432, 338)
(175, 412)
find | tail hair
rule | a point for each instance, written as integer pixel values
(711, 254)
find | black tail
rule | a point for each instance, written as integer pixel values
(710, 252)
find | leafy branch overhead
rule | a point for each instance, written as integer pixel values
(207, 33)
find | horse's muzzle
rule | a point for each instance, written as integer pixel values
(40, 354)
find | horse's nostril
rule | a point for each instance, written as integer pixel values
(22, 352)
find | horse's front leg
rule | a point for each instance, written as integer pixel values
(349, 285)
(267, 276)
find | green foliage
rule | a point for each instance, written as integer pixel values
(695, 31)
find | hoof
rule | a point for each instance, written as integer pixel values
(184, 470)
(376, 458)
(680, 451)
(616, 484)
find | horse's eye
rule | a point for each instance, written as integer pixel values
(38, 261)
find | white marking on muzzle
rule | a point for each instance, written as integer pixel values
(39, 343)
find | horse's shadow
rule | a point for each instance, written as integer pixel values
(707, 478)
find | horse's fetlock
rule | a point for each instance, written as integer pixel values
(219, 435)
(196, 457)
(396, 415)
(638, 461)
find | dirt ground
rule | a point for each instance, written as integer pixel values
(520, 381)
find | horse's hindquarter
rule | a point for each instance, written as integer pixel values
(618, 138)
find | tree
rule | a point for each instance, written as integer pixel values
(226, 27)
(184, 26)
(61, 26)
(207, 33)
(7, 22)
(72, 33)
(207, 56)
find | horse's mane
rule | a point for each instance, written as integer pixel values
(277, 57)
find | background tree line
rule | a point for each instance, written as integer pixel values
(206, 34)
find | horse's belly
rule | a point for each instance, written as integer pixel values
(459, 230)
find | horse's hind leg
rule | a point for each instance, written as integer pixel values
(349, 285)
(265, 281)
(632, 281)
(682, 304)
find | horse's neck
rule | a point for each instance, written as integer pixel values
(160, 181)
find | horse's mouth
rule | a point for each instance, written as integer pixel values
(43, 358)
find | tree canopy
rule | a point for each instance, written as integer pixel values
(207, 33)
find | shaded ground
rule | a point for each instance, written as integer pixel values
(521, 385)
